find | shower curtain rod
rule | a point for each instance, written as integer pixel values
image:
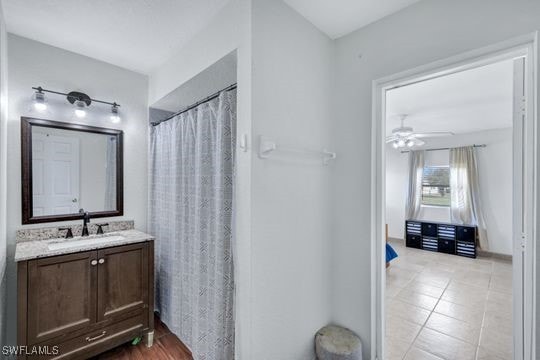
(446, 148)
(206, 99)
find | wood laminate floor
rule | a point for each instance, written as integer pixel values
(166, 347)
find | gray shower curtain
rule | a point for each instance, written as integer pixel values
(191, 213)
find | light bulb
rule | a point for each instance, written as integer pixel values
(79, 108)
(401, 143)
(115, 117)
(395, 144)
(40, 106)
(39, 101)
(410, 143)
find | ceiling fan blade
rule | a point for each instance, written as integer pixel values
(433, 134)
(418, 142)
(391, 138)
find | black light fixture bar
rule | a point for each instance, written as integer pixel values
(40, 89)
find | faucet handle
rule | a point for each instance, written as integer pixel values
(85, 214)
(69, 233)
(100, 228)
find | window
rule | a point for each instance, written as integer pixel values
(436, 186)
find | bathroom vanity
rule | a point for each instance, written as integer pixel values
(82, 288)
(85, 295)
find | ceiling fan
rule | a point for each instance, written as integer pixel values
(405, 136)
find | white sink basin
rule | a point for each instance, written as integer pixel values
(84, 242)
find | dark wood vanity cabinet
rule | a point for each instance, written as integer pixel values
(87, 302)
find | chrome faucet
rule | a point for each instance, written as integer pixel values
(86, 220)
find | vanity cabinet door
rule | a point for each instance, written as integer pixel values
(122, 280)
(61, 295)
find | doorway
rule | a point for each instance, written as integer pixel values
(520, 53)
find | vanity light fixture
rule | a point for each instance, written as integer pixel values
(39, 100)
(115, 117)
(80, 100)
(79, 108)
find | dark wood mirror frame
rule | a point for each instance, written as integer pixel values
(26, 176)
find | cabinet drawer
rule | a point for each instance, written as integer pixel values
(466, 249)
(92, 343)
(429, 244)
(447, 246)
(447, 231)
(414, 241)
(413, 227)
(465, 233)
(429, 229)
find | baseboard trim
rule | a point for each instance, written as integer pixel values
(493, 255)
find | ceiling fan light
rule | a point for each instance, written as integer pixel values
(395, 144)
(410, 143)
(401, 143)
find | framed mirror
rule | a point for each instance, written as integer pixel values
(67, 167)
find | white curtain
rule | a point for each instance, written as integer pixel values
(414, 192)
(191, 210)
(466, 207)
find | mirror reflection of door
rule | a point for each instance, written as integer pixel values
(55, 171)
(70, 167)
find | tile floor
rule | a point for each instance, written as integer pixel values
(447, 307)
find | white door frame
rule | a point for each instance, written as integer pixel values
(527, 46)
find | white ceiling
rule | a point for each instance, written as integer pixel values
(138, 35)
(473, 100)
(339, 17)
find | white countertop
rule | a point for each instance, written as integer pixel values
(27, 250)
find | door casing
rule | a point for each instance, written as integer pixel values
(524, 297)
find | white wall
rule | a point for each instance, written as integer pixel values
(212, 79)
(495, 174)
(3, 172)
(222, 36)
(292, 81)
(425, 32)
(32, 64)
(229, 31)
(282, 265)
(397, 180)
